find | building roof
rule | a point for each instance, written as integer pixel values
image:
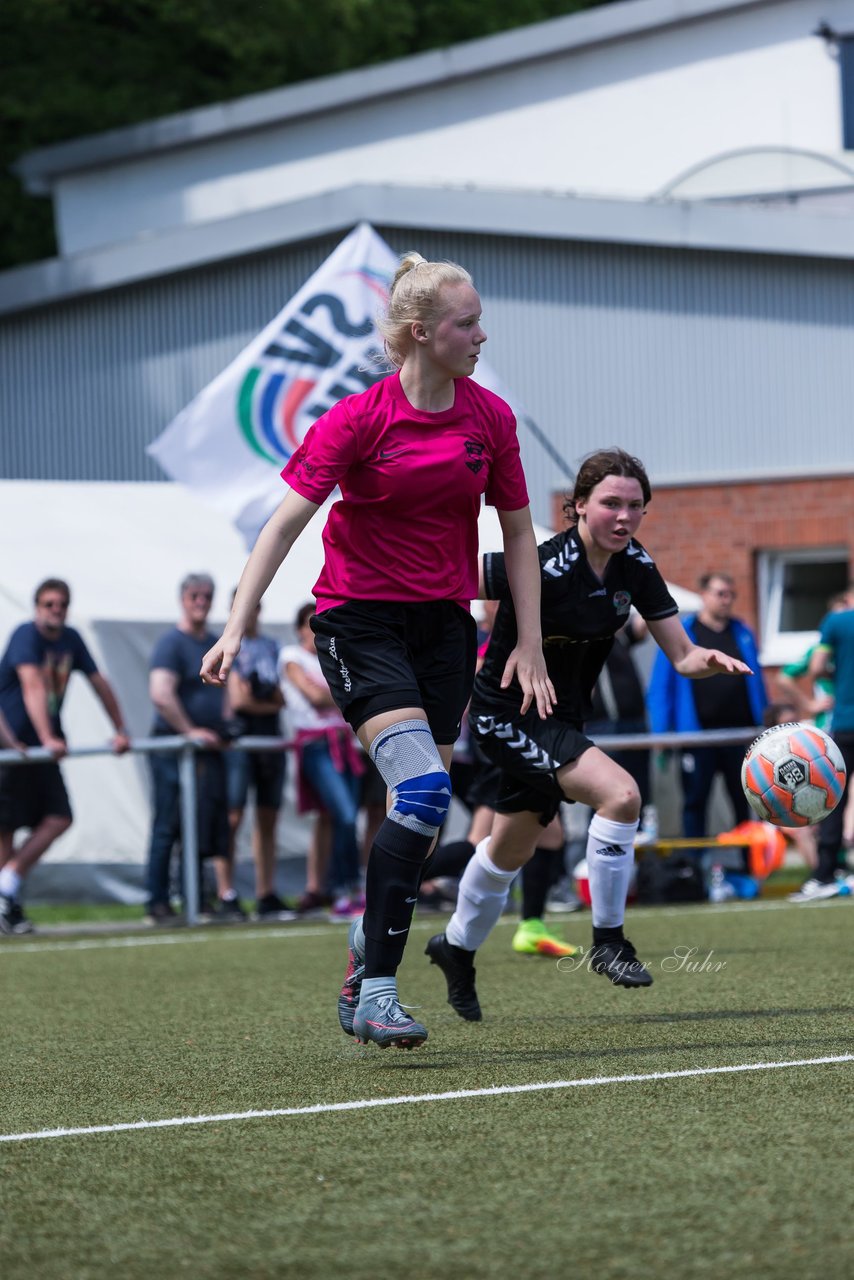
(543, 40)
(555, 216)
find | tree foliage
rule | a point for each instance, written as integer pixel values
(70, 68)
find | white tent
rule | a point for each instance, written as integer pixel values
(124, 548)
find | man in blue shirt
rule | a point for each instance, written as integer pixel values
(34, 675)
(184, 705)
(834, 654)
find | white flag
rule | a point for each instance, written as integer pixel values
(231, 442)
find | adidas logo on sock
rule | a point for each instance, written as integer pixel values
(611, 851)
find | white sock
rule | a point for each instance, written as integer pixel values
(10, 883)
(484, 890)
(359, 939)
(610, 859)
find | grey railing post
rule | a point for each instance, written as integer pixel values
(189, 832)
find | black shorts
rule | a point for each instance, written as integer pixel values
(484, 786)
(529, 752)
(261, 772)
(30, 792)
(381, 655)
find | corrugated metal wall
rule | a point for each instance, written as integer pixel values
(704, 364)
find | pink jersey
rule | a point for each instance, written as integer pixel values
(411, 485)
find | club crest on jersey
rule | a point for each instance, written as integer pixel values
(622, 602)
(474, 449)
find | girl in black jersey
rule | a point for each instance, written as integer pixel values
(592, 574)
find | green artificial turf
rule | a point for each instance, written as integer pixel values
(84, 913)
(732, 1175)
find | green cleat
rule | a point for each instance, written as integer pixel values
(532, 938)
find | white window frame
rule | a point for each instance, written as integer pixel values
(781, 647)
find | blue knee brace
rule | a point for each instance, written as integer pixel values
(412, 769)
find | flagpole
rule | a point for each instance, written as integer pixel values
(543, 440)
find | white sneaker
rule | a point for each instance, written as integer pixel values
(815, 891)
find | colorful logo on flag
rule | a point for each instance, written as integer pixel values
(328, 349)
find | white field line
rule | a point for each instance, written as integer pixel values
(495, 1091)
(266, 934)
(12, 946)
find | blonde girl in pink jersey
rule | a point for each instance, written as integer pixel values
(413, 456)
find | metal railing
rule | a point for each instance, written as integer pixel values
(186, 748)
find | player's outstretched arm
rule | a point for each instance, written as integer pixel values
(690, 659)
(274, 542)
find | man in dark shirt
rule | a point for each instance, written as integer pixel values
(722, 702)
(34, 675)
(184, 705)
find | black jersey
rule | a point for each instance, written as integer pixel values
(580, 612)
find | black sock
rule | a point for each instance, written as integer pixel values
(395, 867)
(450, 859)
(826, 869)
(538, 875)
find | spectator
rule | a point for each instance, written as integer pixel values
(34, 674)
(8, 741)
(835, 651)
(817, 704)
(330, 768)
(255, 699)
(721, 702)
(184, 705)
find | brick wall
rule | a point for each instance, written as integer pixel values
(693, 529)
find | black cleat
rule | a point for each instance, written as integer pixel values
(458, 968)
(618, 961)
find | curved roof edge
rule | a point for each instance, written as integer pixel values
(328, 93)
(538, 215)
(842, 164)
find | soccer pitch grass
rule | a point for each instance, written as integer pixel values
(740, 1173)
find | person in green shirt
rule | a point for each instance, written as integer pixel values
(816, 705)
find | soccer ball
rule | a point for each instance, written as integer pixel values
(793, 775)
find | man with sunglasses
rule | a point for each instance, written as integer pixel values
(34, 675)
(184, 705)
